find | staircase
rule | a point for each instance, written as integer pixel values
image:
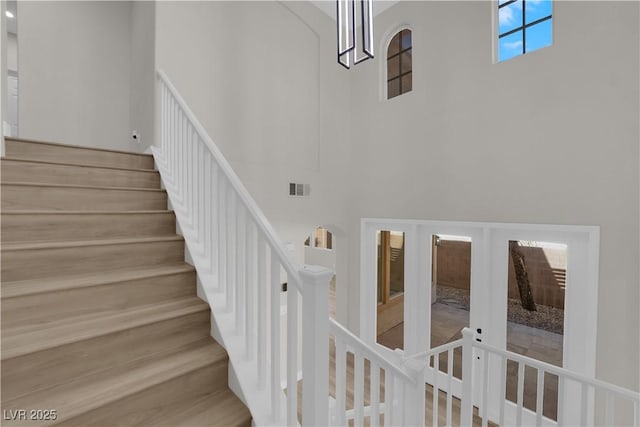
(101, 325)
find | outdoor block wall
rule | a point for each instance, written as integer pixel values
(546, 268)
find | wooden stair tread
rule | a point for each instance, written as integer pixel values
(91, 187)
(19, 341)
(19, 246)
(92, 391)
(22, 288)
(81, 165)
(80, 147)
(216, 409)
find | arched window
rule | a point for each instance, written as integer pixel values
(322, 239)
(399, 76)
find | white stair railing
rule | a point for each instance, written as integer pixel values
(241, 266)
(477, 378)
(394, 395)
(613, 397)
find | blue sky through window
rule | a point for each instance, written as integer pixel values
(530, 38)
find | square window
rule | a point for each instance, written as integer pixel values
(536, 10)
(539, 36)
(510, 46)
(523, 30)
(510, 17)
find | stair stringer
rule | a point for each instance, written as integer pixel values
(243, 373)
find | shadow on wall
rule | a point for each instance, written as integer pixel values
(546, 267)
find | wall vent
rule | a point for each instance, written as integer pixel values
(299, 190)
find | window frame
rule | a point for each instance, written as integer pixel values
(385, 42)
(523, 26)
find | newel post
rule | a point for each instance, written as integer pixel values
(466, 410)
(414, 405)
(315, 345)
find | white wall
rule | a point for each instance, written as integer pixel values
(261, 77)
(549, 137)
(75, 65)
(142, 94)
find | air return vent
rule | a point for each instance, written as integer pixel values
(299, 190)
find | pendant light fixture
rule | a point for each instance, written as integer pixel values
(354, 46)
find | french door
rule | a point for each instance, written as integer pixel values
(488, 293)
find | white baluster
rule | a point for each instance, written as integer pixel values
(222, 232)
(485, 389)
(435, 397)
(292, 352)
(449, 381)
(503, 387)
(583, 404)
(230, 268)
(240, 258)
(215, 225)
(389, 396)
(374, 394)
(315, 348)
(208, 255)
(341, 377)
(358, 389)
(520, 393)
(609, 410)
(539, 396)
(396, 415)
(275, 336)
(262, 312)
(466, 411)
(249, 280)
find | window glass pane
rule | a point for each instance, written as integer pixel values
(393, 67)
(394, 46)
(405, 61)
(406, 83)
(539, 35)
(510, 17)
(537, 9)
(406, 39)
(510, 46)
(393, 88)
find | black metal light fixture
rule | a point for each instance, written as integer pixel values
(349, 41)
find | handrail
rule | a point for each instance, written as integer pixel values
(441, 348)
(261, 221)
(560, 372)
(371, 353)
